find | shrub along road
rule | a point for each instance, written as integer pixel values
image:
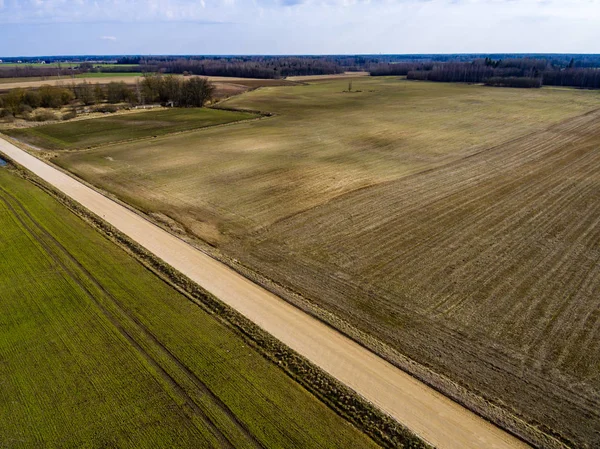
(432, 416)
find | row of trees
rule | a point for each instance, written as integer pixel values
(514, 65)
(455, 73)
(17, 101)
(36, 71)
(579, 77)
(46, 71)
(515, 72)
(191, 92)
(513, 81)
(399, 69)
(268, 68)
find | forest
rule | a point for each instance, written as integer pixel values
(510, 72)
(166, 90)
(516, 70)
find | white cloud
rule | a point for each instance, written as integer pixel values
(128, 11)
(304, 26)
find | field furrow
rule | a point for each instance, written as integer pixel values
(492, 258)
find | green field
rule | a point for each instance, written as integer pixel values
(90, 133)
(96, 351)
(455, 223)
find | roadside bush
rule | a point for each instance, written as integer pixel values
(6, 116)
(44, 116)
(106, 108)
(69, 115)
(26, 112)
(26, 109)
(85, 93)
(54, 97)
(119, 93)
(32, 98)
(13, 101)
(99, 94)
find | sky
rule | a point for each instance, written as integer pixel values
(77, 27)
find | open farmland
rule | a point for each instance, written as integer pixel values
(108, 74)
(98, 352)
(127, 78)
(90, 133)
(458, 224)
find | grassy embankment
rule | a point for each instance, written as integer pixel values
(98, 352)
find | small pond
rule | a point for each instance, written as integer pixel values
(2, 162)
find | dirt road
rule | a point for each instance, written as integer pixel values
(431, 415)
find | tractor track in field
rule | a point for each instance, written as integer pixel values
(191, 408)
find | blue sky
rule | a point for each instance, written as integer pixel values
(71, 27)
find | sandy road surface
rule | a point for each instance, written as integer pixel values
(431, 415)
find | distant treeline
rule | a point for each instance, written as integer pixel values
(192, 92)
(577, 70)
(512, 72)
(47, 71)
(27, 71)
(243, 67)
(513, 81)
(88, 67)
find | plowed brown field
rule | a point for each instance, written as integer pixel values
(486, 269)
(459, 225)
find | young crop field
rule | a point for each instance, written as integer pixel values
(457, 224)
(97, 351)
(105, 130)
